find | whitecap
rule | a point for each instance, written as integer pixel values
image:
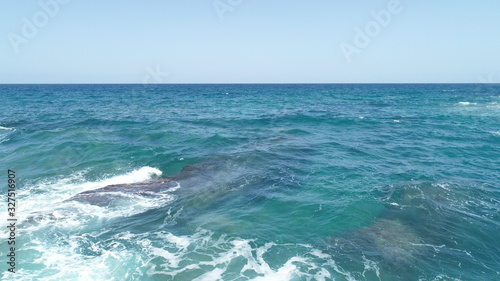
(140, 175)
(466, 103)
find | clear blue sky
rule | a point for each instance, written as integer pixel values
(249, 41)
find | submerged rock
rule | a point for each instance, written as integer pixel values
(406, 235)
(392, 240)
(105, 195)
(388, 240)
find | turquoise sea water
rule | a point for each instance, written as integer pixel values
(260, 182)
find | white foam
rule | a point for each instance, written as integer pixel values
(140, 175)
(62, 260)
(284, 273)
(213, 275)
(466, 103)
(370, 265)
(65, 188)
(444, 277)
(172, 255)
(45, 200)
(319, 254)
(161, 255)
(346, 274)
(5, 128)
(436, 248)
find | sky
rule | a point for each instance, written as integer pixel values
(250, 41)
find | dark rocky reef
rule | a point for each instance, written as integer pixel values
(105, 195)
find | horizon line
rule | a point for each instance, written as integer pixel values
(260, 83)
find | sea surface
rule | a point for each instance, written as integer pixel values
(252, 182)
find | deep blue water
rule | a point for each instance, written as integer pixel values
(265, 182)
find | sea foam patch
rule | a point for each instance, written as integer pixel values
(206, 255)
(62, 240)
(44, 200)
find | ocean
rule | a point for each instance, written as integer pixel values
(250, 182)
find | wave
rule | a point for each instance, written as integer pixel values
(64, 188)
(44, 202)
